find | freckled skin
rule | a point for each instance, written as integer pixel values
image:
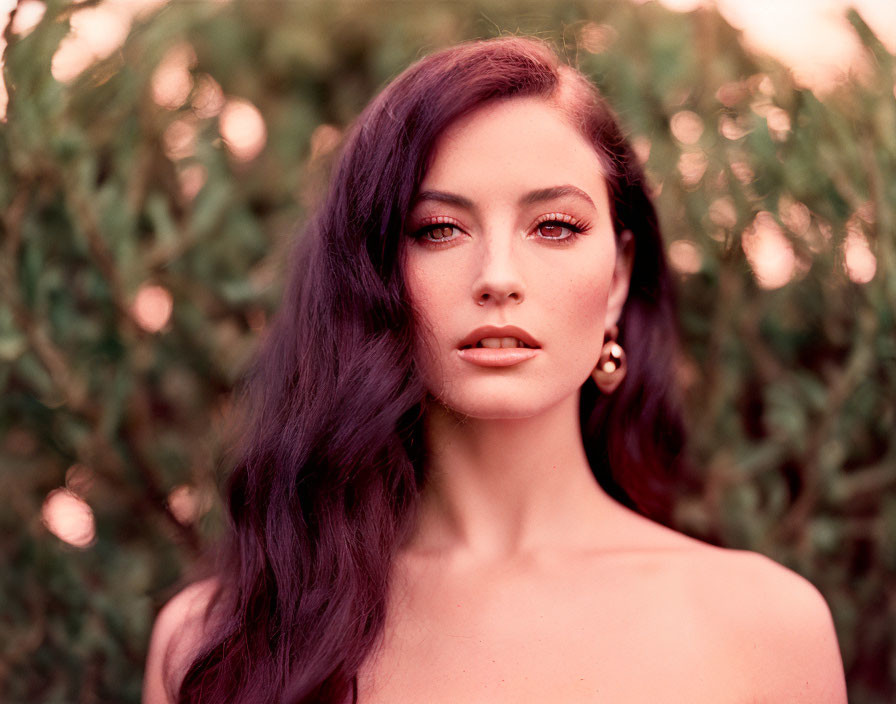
(558, 290)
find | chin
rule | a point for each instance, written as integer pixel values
(502, 406)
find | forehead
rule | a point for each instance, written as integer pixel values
(514, 144)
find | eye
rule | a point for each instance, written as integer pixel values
(438, 233)
(556, 231)
(559, 229)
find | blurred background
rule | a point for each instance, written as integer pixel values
(156, 159)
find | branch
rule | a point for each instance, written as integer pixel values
(72, 389)
(88, 222)
(839, 391)
(137, 435)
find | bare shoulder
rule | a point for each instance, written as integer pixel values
(768, 630)
(773, 621)
(176, 637)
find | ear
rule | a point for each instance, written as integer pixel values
(622, 275)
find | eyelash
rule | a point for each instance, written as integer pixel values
(575, 226)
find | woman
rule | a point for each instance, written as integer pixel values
(463, 429)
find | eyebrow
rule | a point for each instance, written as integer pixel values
(537, 196)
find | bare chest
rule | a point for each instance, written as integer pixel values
(626, 635)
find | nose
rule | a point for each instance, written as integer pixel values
(499, 279)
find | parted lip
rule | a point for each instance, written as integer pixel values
(495, 331)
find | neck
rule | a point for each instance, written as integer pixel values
(498, 488)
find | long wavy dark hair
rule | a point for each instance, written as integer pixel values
(330, 469)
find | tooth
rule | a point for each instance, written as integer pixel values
(493, 342)
(508, 342)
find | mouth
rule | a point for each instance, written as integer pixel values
(498, 343)
(502, 337)
(504, 346)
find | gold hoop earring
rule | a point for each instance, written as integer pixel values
(611, 366)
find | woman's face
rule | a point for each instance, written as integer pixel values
(511, 262)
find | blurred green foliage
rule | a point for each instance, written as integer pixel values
(105, 193)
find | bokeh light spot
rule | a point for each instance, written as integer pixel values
(95, 33)
(692, 166)
(152, 307)
(723, 212)
(171, 82)
(596, 38)
(641, 146)
(730, 94)
(858, 259)
(770, 254)
(243, 129)
(732, 128)
(179, 139)
(69, 518)
(682, 5)
(183, 503)
(685, 257)
(743, 172)
(188, 503)
(208, 101)
(192, 178)
(28, 14)
(795, 215)
(686, 126)
(819, 53)
(778, 122)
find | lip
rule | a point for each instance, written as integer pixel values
(497, 356)
(498, 331)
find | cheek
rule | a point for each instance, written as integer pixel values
(580, 311)
(588, 297)
(427, 292)
(582, 296)
(429, 295)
